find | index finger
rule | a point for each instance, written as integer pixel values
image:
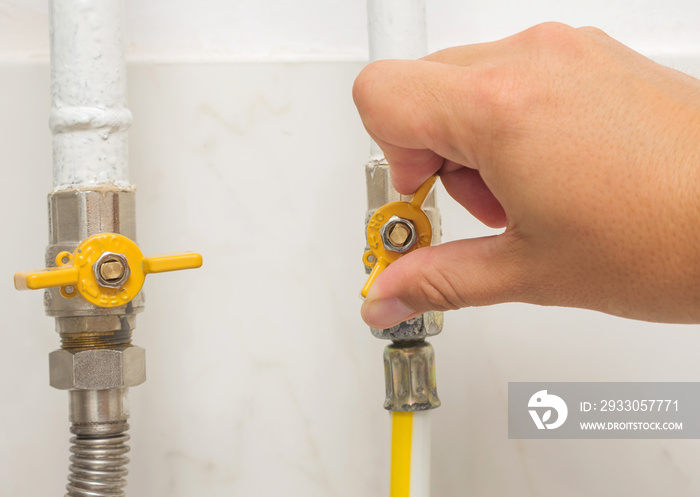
(420, 113)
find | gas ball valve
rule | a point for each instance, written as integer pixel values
(396, 229)
(107, 270)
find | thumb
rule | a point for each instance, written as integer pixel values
(477, 271)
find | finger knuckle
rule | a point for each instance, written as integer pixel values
(549, 33)
(503, 95)
(362, 87)
(556, 41)
(367, 79)
(593, 31)
(541, 57)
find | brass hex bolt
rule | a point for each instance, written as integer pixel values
(111, 270)
(398, 234)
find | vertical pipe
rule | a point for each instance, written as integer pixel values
(89, 121)
(420, 454)
(89, 115)
(396, 31)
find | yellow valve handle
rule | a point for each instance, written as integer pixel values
(379, 256)
(171, 262)
(107, 270)
(46, 278)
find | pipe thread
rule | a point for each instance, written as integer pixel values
(95, 340)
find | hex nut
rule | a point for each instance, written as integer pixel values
(417, 328)
(97, 369)
(111, 259)
(386, 229)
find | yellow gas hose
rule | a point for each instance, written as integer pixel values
(401, 434)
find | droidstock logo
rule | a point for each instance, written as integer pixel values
(541, 406)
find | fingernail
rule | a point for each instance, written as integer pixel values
(385, 313)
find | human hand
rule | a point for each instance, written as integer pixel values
(583, 150)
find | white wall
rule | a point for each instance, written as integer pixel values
(181, 30)
(263, 380)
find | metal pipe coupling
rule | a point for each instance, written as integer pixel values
(417, 328)
(409, 372)
(97, 369)
(99, 406)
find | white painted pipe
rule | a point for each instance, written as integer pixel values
(396, 30)
(89, 115)
(420, 455)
